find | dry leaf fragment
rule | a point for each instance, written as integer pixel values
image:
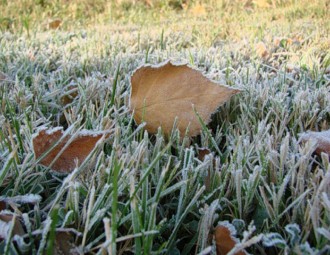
(261, 50)
(6, 217)
(322, 140)
(277, 41)
(5, 226)
(74, 153)
(71, 92)
(54, 24)
(64, 243)
(160, 94)
(225, 239)
(202, 153)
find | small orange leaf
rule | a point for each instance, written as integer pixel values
(74, 153)
(225, 239)
(160, 94)
(261, 50)
(322, 140)
(54, 24)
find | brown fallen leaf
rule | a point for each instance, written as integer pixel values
(54, 24)
(160, 94)
(6, 217)
(202, 153)
(73, 155)
(71, 92)
(5, 222)
(64, 243)
(261, 50)
(322, 140)
(225, 239)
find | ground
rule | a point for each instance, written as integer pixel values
(146, 193)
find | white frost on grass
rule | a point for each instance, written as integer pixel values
(320, 139)
(91, 133)
(84, 132)
(323, 135)
(230, 227)
(39, 129)
(54, 130)
(25, 199)
(4, 229)
(49, 131)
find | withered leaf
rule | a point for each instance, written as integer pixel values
(202, 153)
(160, 94)
(322, 140)
(225, 239)
(261, 50)
(7, 217)
(71, 92)
(75, 152)
(54, 24)
(5, 220)
(64, 243)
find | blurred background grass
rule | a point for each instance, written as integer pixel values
(20, 15)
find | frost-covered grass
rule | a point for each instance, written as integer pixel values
(147, 194)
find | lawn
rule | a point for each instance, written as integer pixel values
(69, 64)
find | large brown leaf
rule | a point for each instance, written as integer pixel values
(74, 154)
(160, 94)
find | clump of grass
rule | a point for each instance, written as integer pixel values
(147, 194)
